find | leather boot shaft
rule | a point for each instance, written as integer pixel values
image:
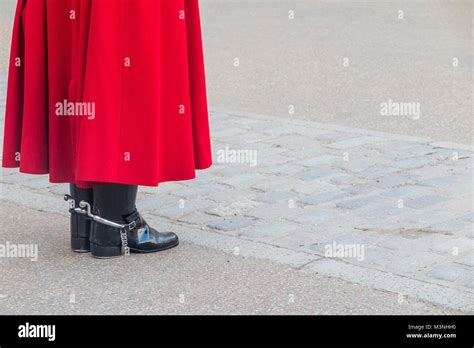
(115, 201)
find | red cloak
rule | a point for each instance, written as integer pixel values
(108, 91)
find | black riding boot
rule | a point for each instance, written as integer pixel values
(80, 224)
(116, 203)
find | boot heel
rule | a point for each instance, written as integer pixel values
(105, 252)
(80, 231)
(80, 225)
(80, 245)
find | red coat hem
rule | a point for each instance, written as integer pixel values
(91, 182)
(134, 68)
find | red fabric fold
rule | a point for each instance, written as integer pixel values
(137, 64)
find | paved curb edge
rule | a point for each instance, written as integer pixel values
(433, 293)
(334, 127)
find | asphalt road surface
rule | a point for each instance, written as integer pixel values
(337, 61)
(185, 280)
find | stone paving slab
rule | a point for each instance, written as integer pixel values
(191, 279)
(402, 199)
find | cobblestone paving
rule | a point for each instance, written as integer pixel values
(300, 188)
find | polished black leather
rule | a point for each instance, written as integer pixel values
(117, 203)
(114, 201)
(144, 238)
(80, 224)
